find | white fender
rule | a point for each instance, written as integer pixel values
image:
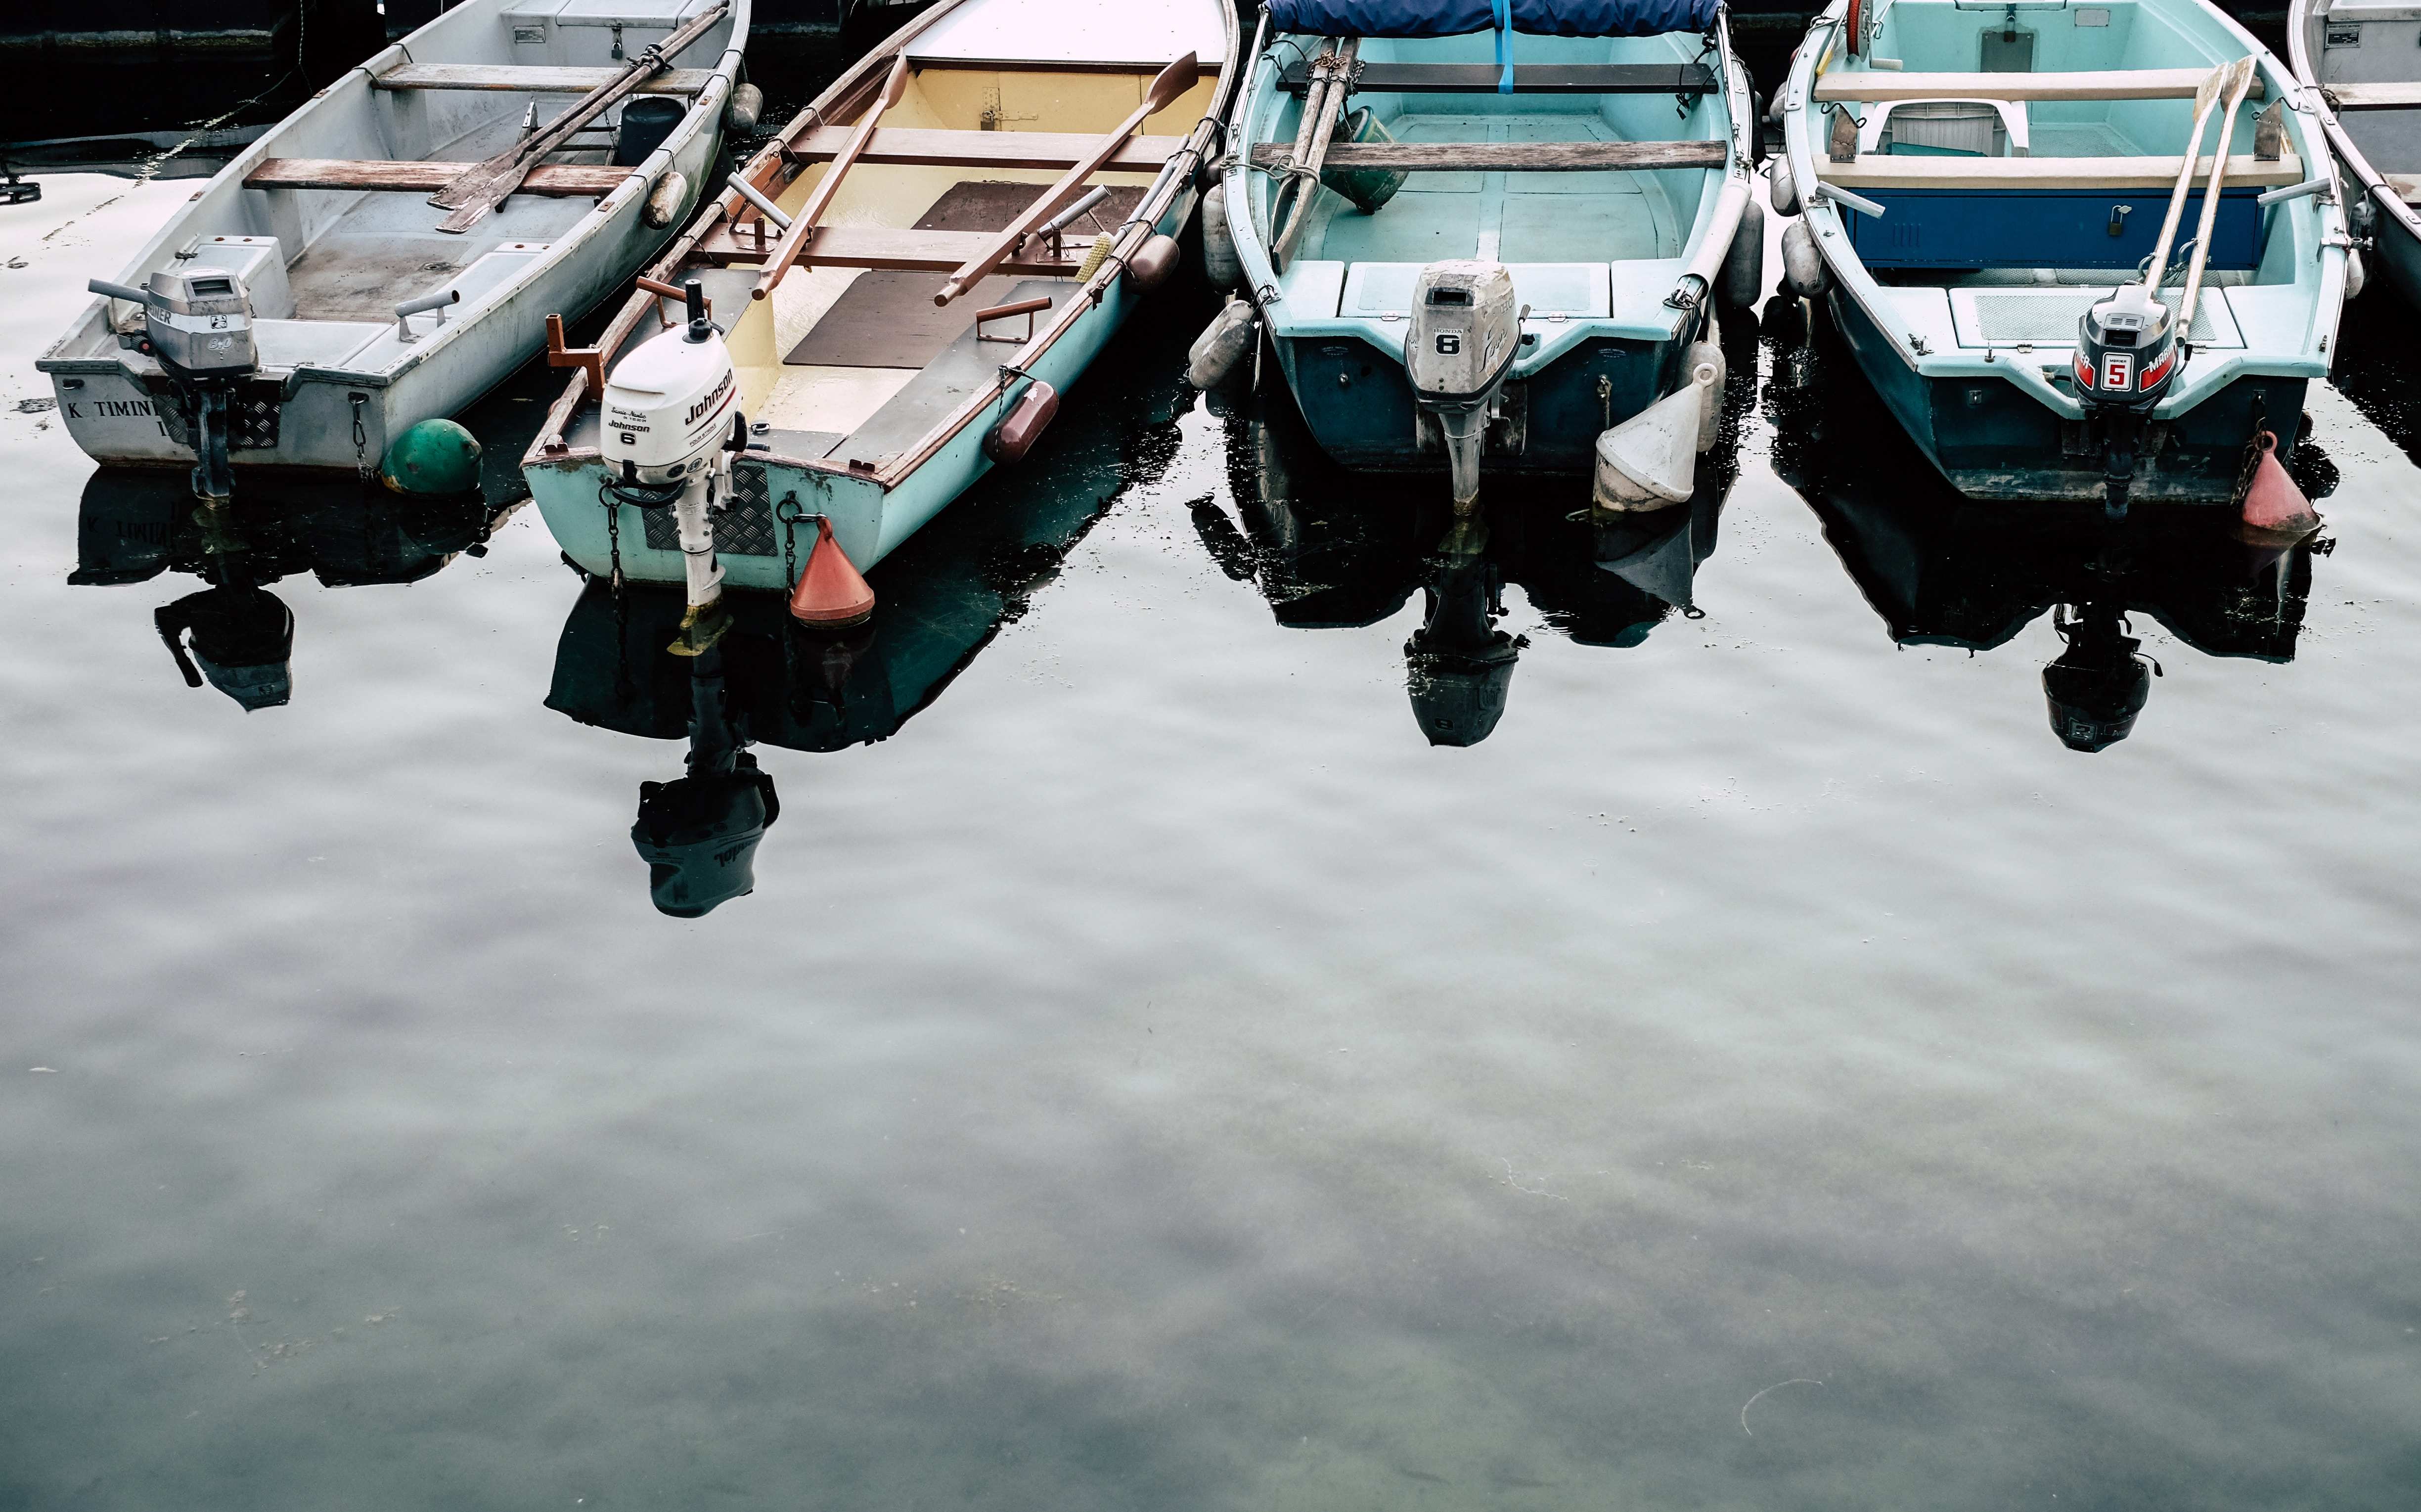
(1647, 461)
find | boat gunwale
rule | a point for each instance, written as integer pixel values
(2301, 16)
(841, 104)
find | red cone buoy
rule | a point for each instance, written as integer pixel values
(830, 591)
(2273, 505)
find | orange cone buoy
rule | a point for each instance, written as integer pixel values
(2273, 505)
(831, 591)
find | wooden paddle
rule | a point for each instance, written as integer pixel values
(1331, 107)
(2239, 81)
(2205, 94)
(480, 189)
(1172, 82)
(802, 229)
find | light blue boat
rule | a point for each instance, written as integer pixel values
(1598, 152)
(1977, 178)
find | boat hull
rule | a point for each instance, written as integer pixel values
(335, 417)
(1992, 440)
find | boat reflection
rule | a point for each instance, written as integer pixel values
(769, 681)
(1331, 548)
(1939, 570)
(233, 634)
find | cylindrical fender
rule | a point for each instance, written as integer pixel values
(1223, 345)
(1023, 425)
(666, 200)
(1220, 263)
(1744, 275)
(1802, 266)
(1783, 189)
(1153, 262)
(747, 105)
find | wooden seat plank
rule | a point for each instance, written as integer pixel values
(532, 79)
(1510, 157)
(2401, 94)
(1052, 150)
(1529, 79)
(1880, 85)
(2147, 174)
(882, 246)
(560, 180)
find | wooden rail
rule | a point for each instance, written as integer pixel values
(923, 148)
(560, 180)
(532, 80)
(882, 247)
(1510, 157)
(1529, 79)
(1885, 171)
(1881, 87)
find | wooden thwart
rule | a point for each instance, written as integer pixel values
(802, 230)
(1049, 150)
(2402, 94)
(556, 179)
(1529, 79)
(1512, 157)
(1882, 171)
(1882, 87)
(880, 246)
(529, 80)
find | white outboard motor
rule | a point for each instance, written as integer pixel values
(672, 425)
(197, 322)
(1464, 334)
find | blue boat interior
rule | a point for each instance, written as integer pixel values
(1981, 257)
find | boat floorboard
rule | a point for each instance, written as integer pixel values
(1595, 216)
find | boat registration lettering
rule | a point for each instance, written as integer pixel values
(2119, 370)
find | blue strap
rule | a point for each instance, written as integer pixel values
(1504, 9)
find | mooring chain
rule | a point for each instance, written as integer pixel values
(791, 512)
(613, 534)
(361, 440)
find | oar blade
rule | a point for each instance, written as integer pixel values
(1174, 81)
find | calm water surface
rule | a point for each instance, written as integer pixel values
(1769, 1070)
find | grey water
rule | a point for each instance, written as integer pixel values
(1208, 1032)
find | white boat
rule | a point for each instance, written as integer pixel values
(889, 300)
(376, 298)
(2361, 71)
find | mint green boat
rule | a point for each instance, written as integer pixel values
(1481, 236)
(2053, 291)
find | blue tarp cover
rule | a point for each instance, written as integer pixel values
(1453, 18)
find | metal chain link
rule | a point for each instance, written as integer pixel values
(361, 438)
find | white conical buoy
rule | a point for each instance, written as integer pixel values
(1647, 461)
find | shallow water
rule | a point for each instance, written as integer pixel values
(1768, 1070)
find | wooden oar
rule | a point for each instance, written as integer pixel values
(1315, 95)
(2205, 94)
(2237, 86)
(1172, 82)
(483, 188)
(802, 229)
(1340, 83)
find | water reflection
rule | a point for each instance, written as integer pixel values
(233, 634)
(1330, 548)
(941, 600)
(1939, 570)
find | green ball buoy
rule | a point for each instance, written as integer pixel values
(432, 457)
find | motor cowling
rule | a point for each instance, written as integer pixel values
(669, 405)
(2125, 351)
(1465, 333)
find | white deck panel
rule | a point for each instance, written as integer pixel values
(1078, 31)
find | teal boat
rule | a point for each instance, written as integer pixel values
(1482, 236)
(2001, 210)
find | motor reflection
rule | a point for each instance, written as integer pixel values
(233, 634)
(1941, 570)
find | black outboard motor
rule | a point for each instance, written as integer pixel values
(1458, 666)
(242, 637)
(698, 833)
(2097, 686)
(197, 322)
(2127, 355)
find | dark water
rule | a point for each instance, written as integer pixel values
(1766, 1069)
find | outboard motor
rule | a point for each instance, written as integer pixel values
(672, 425)
(2127, 355)
(1465, 333)
(698, 833)
(197, 322)
(2097, 686)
